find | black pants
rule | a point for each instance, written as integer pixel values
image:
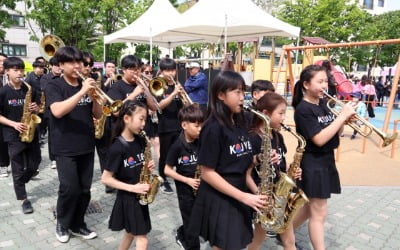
(370, 108)
(25, 159)
(186, 200)
(103, 144)
(166, 140)
(4, 159)
(75, 175)
(52, 157)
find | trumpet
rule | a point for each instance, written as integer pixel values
(147, 92)
(387, 138)
(159, 84)
(97, 94)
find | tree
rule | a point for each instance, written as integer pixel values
(5, 20)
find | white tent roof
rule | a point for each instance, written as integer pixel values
(160, 17)
(207, 19)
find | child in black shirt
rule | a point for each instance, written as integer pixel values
(316, 123)
(222, 211)
(72, 137)
(125, 163)
(168, 124)
(183, 155)
(25, 157)
(274, 106)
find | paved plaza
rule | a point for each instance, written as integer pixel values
(360, 218)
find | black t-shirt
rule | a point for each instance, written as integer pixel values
(11, 106)
(168, 119)
(44, 81)
(310, 119)
(183, 156)
(34, 81)
(120, 90)
(277, 143)
(227, 150)
(126, 159)
(72, 134)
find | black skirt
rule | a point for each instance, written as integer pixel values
(220, 219)
(128, 214)
(320, 177)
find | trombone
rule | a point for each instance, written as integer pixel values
(147, 92)
(387, 138)
(97, 94)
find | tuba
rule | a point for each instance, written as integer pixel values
(28, 118)
(275, 216)
(48, 46)
(146, 177)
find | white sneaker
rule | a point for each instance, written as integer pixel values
(4, 171)
(53, 165)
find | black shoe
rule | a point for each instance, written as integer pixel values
(85, 233)
(166, 188)
(27, 207)
(35, 174)
(109, 190)
(180, 241)
(352, 137)
(62, 233)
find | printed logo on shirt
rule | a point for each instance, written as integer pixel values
(240, 149)
(326, 119)
(140, 97)
(281, 154)
(16, 102)
(85, 100)
(187, 160)
(131, 162)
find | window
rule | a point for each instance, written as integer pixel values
(381, 3)
(13, 50)
(18, 21)
(368, 4)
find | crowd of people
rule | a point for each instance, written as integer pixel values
(211, 137)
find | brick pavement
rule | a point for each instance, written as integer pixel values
(360, 218)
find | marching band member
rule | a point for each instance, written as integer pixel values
(72, 136)
(24, 156)
(122, 172)
(316, 123)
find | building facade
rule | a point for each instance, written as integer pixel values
(17, 39)
(374, 7)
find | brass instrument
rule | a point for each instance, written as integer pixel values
(197, 175)
(30, 119)
(147, 92)
(42, 105)
(98, 95)
(159, 84)
(146, 177)
(387, 138)
(297, 199)
(48, 46)
(99, 123)
(281, 202)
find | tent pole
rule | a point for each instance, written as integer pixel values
(151, 49)
(104, 52)
(226, 34)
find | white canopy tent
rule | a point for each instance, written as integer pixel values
(147, 26)
(234, 20)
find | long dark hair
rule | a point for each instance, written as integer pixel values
(305, 76)
(128, 108)
(268, 102)
(223, 82)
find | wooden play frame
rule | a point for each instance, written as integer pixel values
(286, 51)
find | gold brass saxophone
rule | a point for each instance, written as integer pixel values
(146, 177)
(197, 175)
(273, 216)
(99, 123)
(42, 104)
(30, 119)
(296, 199)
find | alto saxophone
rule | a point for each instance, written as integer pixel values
(273, 216)
(146, 177)
(30, 119)
(298, 198)
(42, 105)
(197, 175)
(99, 123)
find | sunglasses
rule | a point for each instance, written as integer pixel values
(148, 72)
(88, 64)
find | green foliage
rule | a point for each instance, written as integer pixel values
(142, 51)
(5, 20)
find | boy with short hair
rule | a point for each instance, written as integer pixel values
(24, 156)
(183, 155)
